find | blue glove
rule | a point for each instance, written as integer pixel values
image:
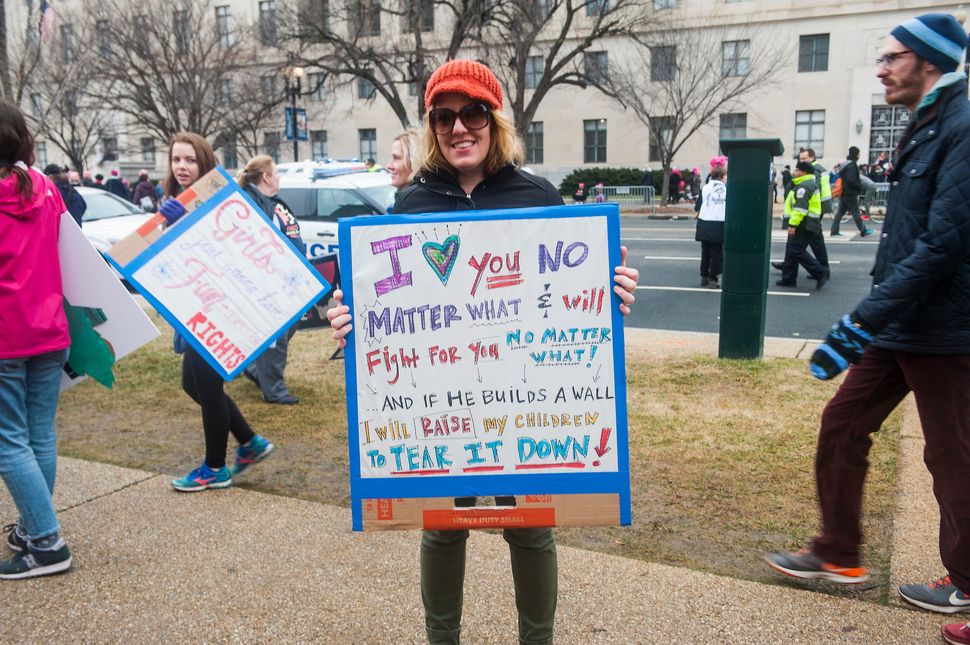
(844, 345)
(172, 210)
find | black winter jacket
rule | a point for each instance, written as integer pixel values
(849, 174)
(508, 188)
(920, 297)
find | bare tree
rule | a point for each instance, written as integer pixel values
(390, 47)
(171, 70)
(535, 46)
(678, 82)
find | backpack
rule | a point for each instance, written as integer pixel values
(837, 188)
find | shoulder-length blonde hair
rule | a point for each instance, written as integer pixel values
(204, 156)
(253, 173)
(410, 139)
(505, 149)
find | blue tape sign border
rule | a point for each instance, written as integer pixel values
(181, 227)
(489, 485)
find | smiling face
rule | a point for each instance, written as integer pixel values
(185, 164)
(398, 166)
(907, 78)
(466, 150)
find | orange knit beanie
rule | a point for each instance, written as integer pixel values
(467, 77)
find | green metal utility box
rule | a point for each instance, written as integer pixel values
(747, 246)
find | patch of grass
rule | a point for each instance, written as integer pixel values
(721, 451)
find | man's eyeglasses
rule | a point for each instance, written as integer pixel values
(887, 60)
(474, 116)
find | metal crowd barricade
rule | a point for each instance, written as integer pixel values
(627, 196)
(877, 201)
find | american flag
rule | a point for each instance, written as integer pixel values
(46, 20)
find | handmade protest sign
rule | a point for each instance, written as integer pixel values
(224, 275)
(106, 323)
(486, 360)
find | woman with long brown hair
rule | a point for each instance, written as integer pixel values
(189, 157)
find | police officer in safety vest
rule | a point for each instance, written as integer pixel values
(803, 208)
(824, 185)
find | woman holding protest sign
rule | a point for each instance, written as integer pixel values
(261, 181)
(34, 339)
(471, 161)
(190, 156)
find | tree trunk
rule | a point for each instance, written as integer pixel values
(665, 182)
(5, 88)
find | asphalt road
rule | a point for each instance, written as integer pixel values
(670, 295)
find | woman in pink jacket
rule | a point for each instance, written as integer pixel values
(33, 348)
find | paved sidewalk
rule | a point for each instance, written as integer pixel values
(239, 566)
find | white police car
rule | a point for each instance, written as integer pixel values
(319, 193)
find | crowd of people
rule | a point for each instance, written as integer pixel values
(911, 334)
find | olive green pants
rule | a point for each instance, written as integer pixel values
(534, 572)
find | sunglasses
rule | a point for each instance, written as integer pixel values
(474, 116)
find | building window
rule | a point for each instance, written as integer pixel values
(545, 8)
(813, 53)
(368, 143)
(734, 126)
(109, 148)
(533, 143)
(70, 103)
(104, 39)
(41, 153)
(597, 66)
(664, 4)
(412, 89)
(180, 30)
(147, 145)
(226, 145)
(315, 83)
(594, 141)
(36, 105)
(365, 89)
(267, 84)
(421, 15)
(810, 130)
(735, 57)
(222, 27)
(318, 144)
(888, 124)
(224, 93)
(597, 7)
(661, 129)
(663, 63)
(369, 20)
(318, 15)
(69, 44)
(271, 145)
(267, 22)
(533, 71)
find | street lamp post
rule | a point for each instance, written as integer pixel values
(294, 79)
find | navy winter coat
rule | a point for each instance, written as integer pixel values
(920, 297)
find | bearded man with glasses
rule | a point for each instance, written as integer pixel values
(912, 333)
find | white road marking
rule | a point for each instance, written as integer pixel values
(685, 258)
(797, 294)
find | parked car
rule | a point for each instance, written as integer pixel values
(322, 193)
(109, 218)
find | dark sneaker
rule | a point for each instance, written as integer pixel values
(956, 633)
(32, 563)
(257, 449)
(705, 281)
(15, 540)
(286, 399)
(714, 284)
(202, 478)
(938, 595)
(782, 283)
(778, 265)
(805, 564)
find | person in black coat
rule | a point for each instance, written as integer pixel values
(912, 332)
(76, 205)
(472, 161)
(849, 200)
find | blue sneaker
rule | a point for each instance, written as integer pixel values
(254, 451)
(36, 562)
(16, 540)
(939, 595)
(202, 478)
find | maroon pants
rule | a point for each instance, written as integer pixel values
(870, 392)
